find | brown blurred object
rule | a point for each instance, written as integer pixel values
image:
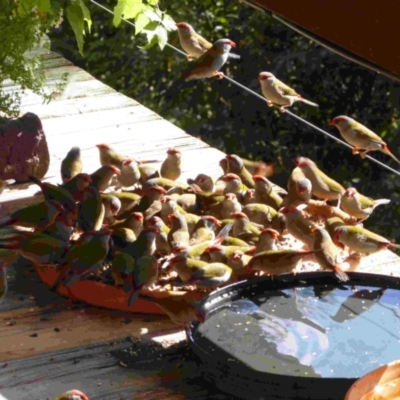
(23, 149)
(380, 384)
(358, 30)
(259, 167)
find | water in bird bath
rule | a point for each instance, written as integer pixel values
(341, 332)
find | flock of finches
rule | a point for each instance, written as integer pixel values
(203, 234)
(147, 230)
(138, 227)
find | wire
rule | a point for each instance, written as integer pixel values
(245, 88)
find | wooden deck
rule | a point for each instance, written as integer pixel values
(49, 344)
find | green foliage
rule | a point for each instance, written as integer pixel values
(22, 26)
(24, 23)
(149, 19)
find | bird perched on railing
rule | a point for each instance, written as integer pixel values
(359, 136)
(193, 43)
(278, 93)
(210, 63)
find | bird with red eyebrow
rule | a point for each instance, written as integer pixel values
(265, 194)
(358, 205)
(278, 93)
(297, 225)
(193, 43)
(210, 63)
(322, 185)
(171, 166)
(108, 156)
(233, 184)
(359, 136)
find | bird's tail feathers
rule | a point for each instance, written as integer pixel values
(234, 56)
(381, 201)
(222, 234)
(310, 103)
(386, 150)
(340, 274)
(133, 297)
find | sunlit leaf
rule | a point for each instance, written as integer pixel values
(141, 21)
(153, 15)
(86, 13)
(126, 9)
(168, 23)
(162, 36)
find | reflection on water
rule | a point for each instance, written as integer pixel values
(347, 332)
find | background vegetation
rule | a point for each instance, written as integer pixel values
(234, 121)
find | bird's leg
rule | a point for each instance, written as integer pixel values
(360, 222)
(269, 103)
(339, 202)
(219, 75)
(355, 150)
(189, 58)
(282, 109)
(363, 154)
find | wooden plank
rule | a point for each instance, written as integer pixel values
(30, 335)
(64, 107)
(153, 372)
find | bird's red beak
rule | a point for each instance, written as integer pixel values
(332, 123)
(233, 44)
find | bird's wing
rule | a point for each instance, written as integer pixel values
(366, 134)
(284, 89)
(204, 62)
(202, 43)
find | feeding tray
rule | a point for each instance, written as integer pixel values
(262, 339)
(108, 296)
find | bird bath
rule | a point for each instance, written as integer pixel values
(261, 339)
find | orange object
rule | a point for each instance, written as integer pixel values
(382, 383)
(108, 296)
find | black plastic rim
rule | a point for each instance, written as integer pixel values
(240, 380)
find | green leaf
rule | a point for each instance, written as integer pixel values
(162, 36)
(77, 22)
(126, 9)
(86, 14)
(151, 34)
(43, 5)
(156, 34)
(152, 2)
(153, 15)
(152, 43)
(77, 14)
(168, 23)
(141, 22)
